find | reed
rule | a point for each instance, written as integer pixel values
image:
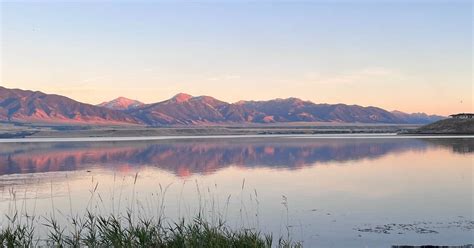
(135, 227)
(123, 231)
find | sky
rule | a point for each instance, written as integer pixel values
(412, 56)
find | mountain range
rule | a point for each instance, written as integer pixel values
(18, 105)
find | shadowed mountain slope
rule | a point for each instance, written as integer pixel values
(417, 118)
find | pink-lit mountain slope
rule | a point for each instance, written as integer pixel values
(34, 106)
(121, 103)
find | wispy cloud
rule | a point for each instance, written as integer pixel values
(365, 75)
(100, 78)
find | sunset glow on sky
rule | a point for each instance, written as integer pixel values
(412, 56)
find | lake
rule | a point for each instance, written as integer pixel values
(326, 190)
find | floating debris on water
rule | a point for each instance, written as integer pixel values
(420, 227)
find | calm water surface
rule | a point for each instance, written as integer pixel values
(372, 191)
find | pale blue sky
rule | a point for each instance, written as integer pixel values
(410, 55)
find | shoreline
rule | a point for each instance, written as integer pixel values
(9, 131)
(37, 132)
(196, 137)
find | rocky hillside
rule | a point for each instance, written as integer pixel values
(448, 126)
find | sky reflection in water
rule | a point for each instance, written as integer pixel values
(341, 191)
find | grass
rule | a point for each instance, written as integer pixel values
(137, 228)
(124, 231)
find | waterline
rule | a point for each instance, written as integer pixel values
(303, 136)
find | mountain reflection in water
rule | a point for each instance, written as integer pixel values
(187, 157)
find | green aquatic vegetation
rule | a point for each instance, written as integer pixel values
(135, 227)
(125, 231)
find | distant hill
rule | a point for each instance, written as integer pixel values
(296, 110)
(121, 103)
(183, 109)
(447, 126)
(417, 118)
(33, 106)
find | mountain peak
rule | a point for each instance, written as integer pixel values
(181, 97)
(121, 103)
(121, 98)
